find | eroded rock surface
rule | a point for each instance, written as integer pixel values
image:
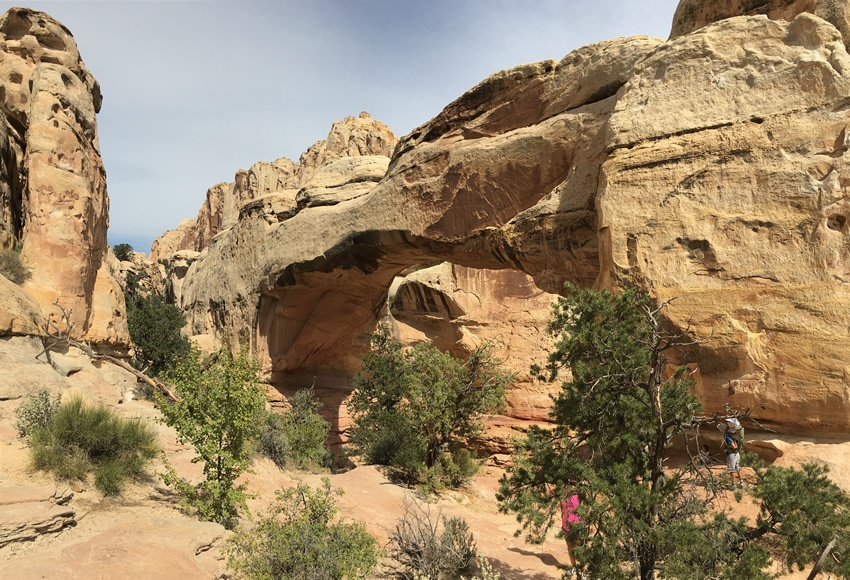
(345, 165)
(692, 15)
(457, 309)
(737, 207)
(26, 512)
(53, 192)
(504, 177)
(709, 168)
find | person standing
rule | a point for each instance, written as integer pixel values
(569, 507)
(732, 444)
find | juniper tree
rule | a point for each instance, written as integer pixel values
(614, 422)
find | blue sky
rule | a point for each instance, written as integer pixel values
(196, 89)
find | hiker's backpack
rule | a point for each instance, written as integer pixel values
(736, 441)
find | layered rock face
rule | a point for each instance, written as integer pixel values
(694, 14)
(505, 177)
(735, 173)
(345, 165)
(709, 169)
(52, 180)
(457, 309)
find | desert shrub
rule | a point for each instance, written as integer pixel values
(35, 412)
(273, 442)
(82, 439)
(297, 437)
(219, 413)
(297, 539)
(124, 252)
(485, 571)
(413, 408)
(13, 267)
(450, 470)
(154, 329)
(431, 547)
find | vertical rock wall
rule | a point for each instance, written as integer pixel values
(54, 187)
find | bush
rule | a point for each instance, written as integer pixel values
(415, 410)
(219, 413)
(35, 412)
(13, 267)
(296, 539)
(154, 329)
(426, 552)
(297, 437)
(82, 439)
(485, 571)
(273, 441)
(124, 252)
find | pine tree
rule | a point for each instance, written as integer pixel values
(614, 423)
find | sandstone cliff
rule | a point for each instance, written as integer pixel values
(330, 171)
(52, 182)
(708, 168)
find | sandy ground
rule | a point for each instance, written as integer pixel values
(143, 533)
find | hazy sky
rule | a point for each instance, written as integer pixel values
(196, 89)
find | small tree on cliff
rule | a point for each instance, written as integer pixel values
(219, 412)
(124, 252)
(614, 422)
(416, 409)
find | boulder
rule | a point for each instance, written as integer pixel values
(20, 314)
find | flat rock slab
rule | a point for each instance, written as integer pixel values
(159, 548)
(28, 512)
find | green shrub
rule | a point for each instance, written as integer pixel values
(82, 439)
(485, 571)
(154, 329)
(297, 437)
(412, 408)
(13, 267)
(35, 412)
(424, 549)
(124, 252)
(296, 539)
(450, 470)
(273, 442)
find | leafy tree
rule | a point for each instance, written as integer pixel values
(154, 329)
(297, 539)
(416, 409)
(614, 422)
(219, 413)
(124, 252)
